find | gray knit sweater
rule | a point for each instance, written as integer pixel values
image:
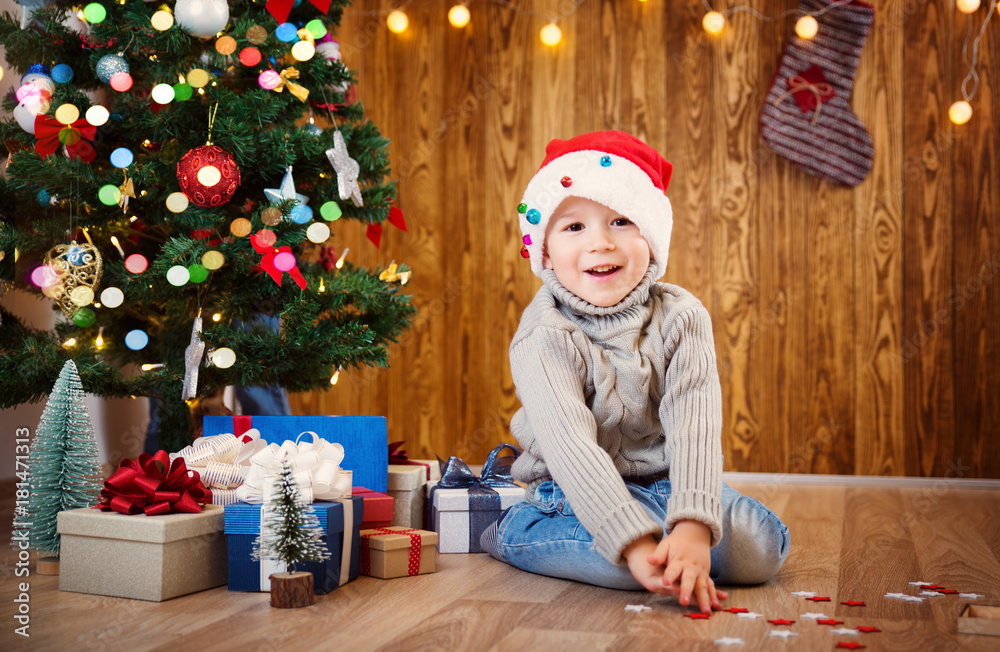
(626, 392)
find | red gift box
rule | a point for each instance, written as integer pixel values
(378, 508)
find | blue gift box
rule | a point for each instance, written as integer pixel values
(242, 526)
(365, 440)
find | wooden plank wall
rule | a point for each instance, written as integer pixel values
(857, 329)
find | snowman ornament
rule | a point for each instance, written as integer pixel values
(33, 96)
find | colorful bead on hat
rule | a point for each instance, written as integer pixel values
(613, 168)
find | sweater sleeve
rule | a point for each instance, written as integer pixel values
(547, 370)
(691, 417)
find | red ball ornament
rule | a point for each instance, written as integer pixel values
(202, 157)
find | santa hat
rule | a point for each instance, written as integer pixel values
(612, 168)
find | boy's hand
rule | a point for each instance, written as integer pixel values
(638, 554)
(685, 557)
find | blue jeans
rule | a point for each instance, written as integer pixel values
(544, 536)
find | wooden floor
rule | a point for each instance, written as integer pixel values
(847, 543)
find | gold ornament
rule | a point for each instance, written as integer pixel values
(127, 190)
(84, 272)
(391, 274)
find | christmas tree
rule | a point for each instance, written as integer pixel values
(292, 530)
(63, 464)
(166, 164)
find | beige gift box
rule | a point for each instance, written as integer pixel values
(406, 486)
(142, 557)
(387, 554)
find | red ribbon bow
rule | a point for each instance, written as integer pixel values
(153, 485)
(267, 261)
(281, 8)
(51, 134)
(398, 456)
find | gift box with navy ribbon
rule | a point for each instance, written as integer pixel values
(463, 505)
(340, 520)
(365, 439)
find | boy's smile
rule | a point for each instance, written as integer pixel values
(596, 253)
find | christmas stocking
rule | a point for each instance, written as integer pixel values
(806, 117)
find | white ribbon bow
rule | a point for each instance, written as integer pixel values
(315, 466)
(222, 461)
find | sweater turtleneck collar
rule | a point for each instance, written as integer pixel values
(582, 308)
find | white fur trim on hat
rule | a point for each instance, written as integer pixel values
(622, 186)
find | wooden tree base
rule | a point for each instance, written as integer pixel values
(47, 566)
(292, 590)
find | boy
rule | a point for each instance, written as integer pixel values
(621, 412)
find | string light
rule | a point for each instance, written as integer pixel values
(99, 342)
(148, 367)
(322, 288)
(960, 112)
(713, 22)
(217, 316)
(114, 241)
(71, 342)
(967, 6)
(551, 35)
(340, 261)
(397, 21)
(336, 375)
(459, 16)
(806, 27)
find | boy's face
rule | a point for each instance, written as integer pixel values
(596, 254)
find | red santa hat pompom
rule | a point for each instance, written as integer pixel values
(612, 168)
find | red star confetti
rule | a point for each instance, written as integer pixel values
(781, 621)
(933, 587)
(736, 610)
(850, 646)
(947, 591)
(818, 598)
(867, 629)
(854, 603)
(829, 621)
(697, 616)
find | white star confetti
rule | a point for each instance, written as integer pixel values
(783, 633)
(896, 596)
(638, 608)
(814, 616)
(970, 596)
(803, 594)
(931, 594)
(726, 640)
(913, 598)
(918, 583)
(844, 631)
(749, 615)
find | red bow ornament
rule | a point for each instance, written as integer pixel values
(398, 456)
(153, 485)
(281, 8)
(51, 134)
(374, 231)
(267, 261)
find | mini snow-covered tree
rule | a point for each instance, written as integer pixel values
(64, 468)
(290, 530)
